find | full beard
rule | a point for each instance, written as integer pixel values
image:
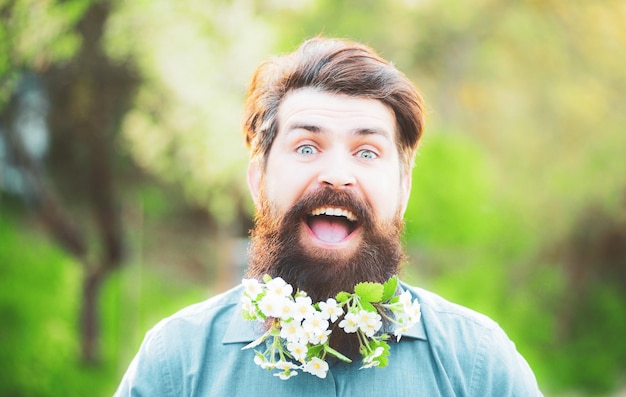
(277, 250)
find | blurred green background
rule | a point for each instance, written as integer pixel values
(122, 171)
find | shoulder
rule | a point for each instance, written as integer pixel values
(209, 306)
(456, 333)
(439, 312)
(173, 347)
(203, 318)
(474, 348)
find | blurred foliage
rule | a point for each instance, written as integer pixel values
(195, 59)
(34, 35)
(39, 333)
(517, 205)
(450, 167)
(39, 287)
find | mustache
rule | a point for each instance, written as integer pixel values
(330, 197)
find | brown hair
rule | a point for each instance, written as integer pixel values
(339, 67)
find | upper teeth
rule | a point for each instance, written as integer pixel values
(333, 211)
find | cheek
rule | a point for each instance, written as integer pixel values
(384, 194)
(284, 184)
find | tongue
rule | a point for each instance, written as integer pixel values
(329, 229)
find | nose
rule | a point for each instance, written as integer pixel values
(336, 173)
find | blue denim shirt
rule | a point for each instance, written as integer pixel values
(452, 351)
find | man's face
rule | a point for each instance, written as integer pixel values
(332, 142)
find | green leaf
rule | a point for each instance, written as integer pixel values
(374, 343)
(335, 353)
(389, 288)
(369, 292)
(314, 351)
(365, 305)
(267, 278)
(383, 358)
(247, 316)
(342, 297)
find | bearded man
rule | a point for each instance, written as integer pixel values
(333, 129)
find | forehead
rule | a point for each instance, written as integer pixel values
(320, 111)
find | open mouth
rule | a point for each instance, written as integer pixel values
(332, 224)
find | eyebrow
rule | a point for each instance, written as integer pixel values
(358, 131)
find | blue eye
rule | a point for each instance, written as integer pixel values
(367, 154)
(306, 149)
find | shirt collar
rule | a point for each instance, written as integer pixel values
(417, 331)
(241, 330)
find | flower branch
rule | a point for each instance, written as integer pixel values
(298, 335)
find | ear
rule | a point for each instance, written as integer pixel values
(405, 190)
(254, 180)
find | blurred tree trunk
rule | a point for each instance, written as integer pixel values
(87, 97)
(593, 255)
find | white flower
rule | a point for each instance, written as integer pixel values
(285, 365)
(315, 323)
(297, 350)
(302, 308)
(259, 360)
(330, 310)
(376, 353)
(371, 329)
(318, 338)
(414, 312)
(287, 370)
(279, 287)
(292, 331)
(262, 362)
(317, 367)
(405, 299)
(252, 287)
(369, 362)
(399, 331)
(286, 374)
(410, 315)
(286, 309)
(272, 305)
(369, 322)
(350, 323)
(248, 307)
